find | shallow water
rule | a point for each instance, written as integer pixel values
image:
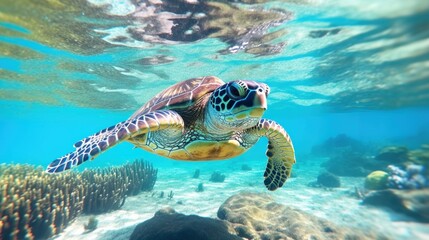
(71, 68)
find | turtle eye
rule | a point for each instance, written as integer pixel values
(235, 90)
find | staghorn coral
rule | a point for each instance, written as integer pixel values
(35, 205)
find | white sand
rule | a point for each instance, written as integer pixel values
(337, 205)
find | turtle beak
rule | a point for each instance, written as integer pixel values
(259, 103)
(261, 95)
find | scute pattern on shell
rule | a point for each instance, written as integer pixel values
(181, 95)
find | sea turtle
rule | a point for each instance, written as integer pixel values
(197, 119)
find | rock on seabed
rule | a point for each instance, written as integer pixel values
(168, 225)
(258, 216)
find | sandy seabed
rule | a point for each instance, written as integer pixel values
(338, 205)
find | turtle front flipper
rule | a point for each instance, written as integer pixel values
(92, 146)
(280, 153)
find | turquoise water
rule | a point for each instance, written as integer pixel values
(70, 69)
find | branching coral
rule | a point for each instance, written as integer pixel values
(413, 177)
(35, 205)
(107, 189)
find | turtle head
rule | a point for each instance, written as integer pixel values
(238, 105)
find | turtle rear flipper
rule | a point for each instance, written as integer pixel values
(280, 153)
(92, 146)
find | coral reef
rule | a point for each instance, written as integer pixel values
(217, 177)
(349, 163)
(258, 216)
(420, 157)
(413, 177)
(106, 189)
(329, 180)
(414, 203)
(36, 205)
(168, 224)
(376, 180)
(402, 156)
(352, 159)
(393, 154)
(339, 143)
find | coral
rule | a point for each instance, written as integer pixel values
(140, 174)
(393, 154)
(106, 189)
(36, 205)
(200, 188)
(420, 156)
(91, 225)
(246, 167)
(414, 203)
(339, 143)
(196, 174)
(376, 180)
(217, 177)
(167, 224)
(170, 195)
(413, 177)
(327, 179)
(348, 163)
(258, 216)
(103, 191)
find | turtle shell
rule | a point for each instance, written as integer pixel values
(181, 95)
